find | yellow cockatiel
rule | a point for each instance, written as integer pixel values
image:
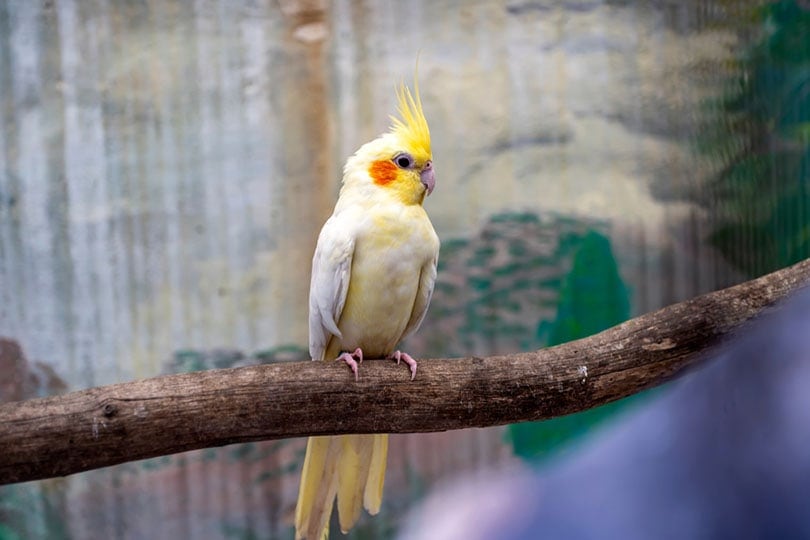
(372, 278)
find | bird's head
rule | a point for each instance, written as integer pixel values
(399, 163)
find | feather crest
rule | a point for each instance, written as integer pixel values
(411, 126)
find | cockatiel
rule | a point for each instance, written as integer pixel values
(372, 278)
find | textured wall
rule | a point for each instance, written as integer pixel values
(165, 168)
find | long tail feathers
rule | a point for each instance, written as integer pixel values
(373, 492)
(352, 475)
(351, 467)
(318, 487)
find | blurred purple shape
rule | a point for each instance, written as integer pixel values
(723, 453)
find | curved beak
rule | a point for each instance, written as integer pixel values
(427, 177)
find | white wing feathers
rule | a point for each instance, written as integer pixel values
(427, 279)
(331, 270)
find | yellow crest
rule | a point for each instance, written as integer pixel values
(411, 127)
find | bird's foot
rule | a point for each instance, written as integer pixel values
(407, 358)
(349, 358)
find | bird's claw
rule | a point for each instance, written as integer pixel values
(407, 358)
(349, 358)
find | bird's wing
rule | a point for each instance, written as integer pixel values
(427, 279)
(331, 271)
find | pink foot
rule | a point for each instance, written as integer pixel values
(407, 358)
(349, 358)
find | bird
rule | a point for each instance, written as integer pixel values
(373, 274)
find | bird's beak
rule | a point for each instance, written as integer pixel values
(427, 177)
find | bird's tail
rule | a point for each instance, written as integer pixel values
(351, 467)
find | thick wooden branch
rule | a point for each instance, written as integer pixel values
(104, 426)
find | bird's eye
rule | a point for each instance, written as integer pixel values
(403, 161)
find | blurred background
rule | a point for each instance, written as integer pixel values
(165, 167)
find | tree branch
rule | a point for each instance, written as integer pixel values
(103, 426)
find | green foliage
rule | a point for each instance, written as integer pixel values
(32, 510)
(593, 297)
(494, 287)
(6, 533)
(187, 360)
(760, 129)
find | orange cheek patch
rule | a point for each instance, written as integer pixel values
(382, 172)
